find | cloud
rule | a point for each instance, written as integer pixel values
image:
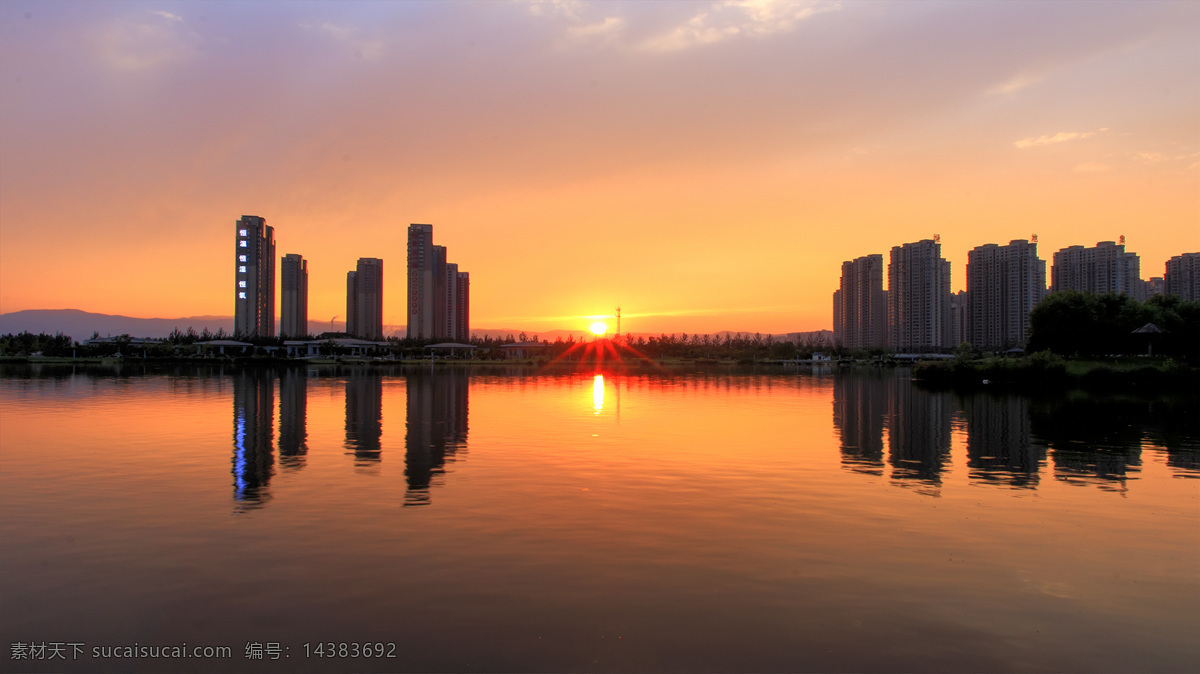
(564, 8)
(1060, 137)
(609, 26)
(698, 25)
(142, 44)
(731, 18)
(365, 46)
(1015, 83)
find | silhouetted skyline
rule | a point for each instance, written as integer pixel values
(706, 166)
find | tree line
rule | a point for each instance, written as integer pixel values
(1069, 323)
(1077, 324)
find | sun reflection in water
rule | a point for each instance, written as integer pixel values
(598, 393)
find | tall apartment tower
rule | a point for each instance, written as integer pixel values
(438, 293)
(254, 278)
(1104, 268)
(919, 297)
(1004, 284)
(421, 286)
(364, 299)
(1182, 277)
(293, 305)
(462, 307)
(450, 287)
(958, 317)
(861, 310)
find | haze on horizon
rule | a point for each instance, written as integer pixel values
(706, 166)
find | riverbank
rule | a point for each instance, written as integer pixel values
(1042, 370)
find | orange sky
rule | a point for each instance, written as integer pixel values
(707, 166)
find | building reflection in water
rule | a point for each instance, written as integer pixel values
(918, 425)
(1000, 446)
(293, 422)
(364, 418)
(1095, 441)
(859, 412)
(1186, 461)
(253, 435)
(1092, 441)
(436, 421)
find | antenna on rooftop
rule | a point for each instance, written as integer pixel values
(1121, 240)
(618, 322)
(1033, 238)
(937, 238)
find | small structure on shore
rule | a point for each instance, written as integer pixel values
(221, 344)
(1149, 330)
(451, 350)
(523, 349)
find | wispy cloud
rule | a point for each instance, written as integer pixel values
(702, 24)
(166, 15)
(563, 8)
(144, 42)
(365, 46)
(1060, 137)
(728, 19)
(1016, 83)
(611, 25)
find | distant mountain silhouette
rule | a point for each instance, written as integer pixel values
(80, 325)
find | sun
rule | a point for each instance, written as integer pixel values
(599, 328)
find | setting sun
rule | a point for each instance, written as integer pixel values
(599, 328)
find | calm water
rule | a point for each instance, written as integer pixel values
(593, 522)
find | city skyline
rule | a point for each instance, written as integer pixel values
(591, 155)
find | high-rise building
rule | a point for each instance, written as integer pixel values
(958, 317)
(254, 278)
(1182, 277)
(1104, 268)
(421, 286)
(1004, 284)
(364, 299)
(462, 307)
(918, 297)
(862, 304)
(837, 316)
(351, 302)
(438, 293)
(449, 287)
(293, 306)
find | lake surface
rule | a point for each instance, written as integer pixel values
(583, 521)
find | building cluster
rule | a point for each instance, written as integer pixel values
(438, 293)
(918, 312)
